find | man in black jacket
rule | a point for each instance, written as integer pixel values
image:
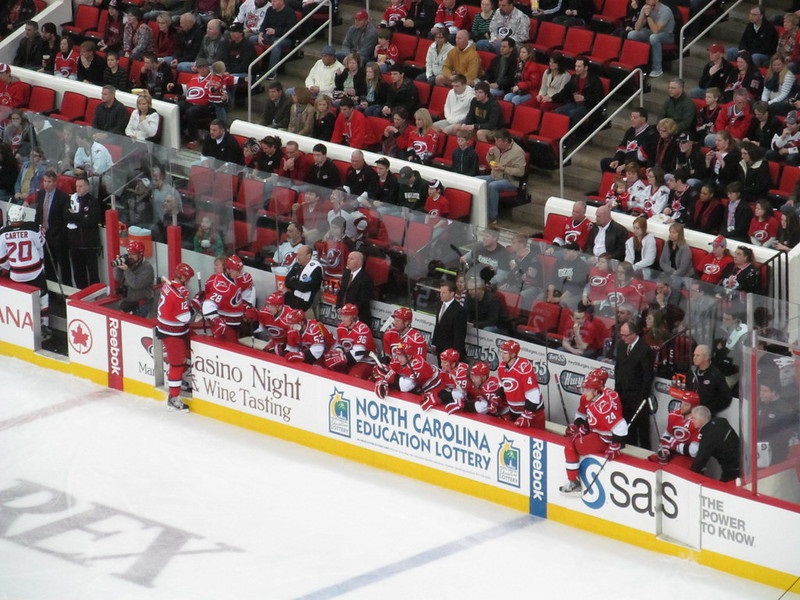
(450, 330)
(110, 114)
(633, 376)
(190, 37)
(708, 381)
(483, 116)
(401, 92)
(637, 145)
(277, 107)
(278, 20)
(583, 92)
(83, 213)
(356, 287)
(51, 203)
(324, 173)
(759, 38)
(607, 235)
(360, 177)
(221, 145)
(500, 75)
(30, 49)
(717, 440)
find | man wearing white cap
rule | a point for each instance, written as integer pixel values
(361, 37)
(320, 79)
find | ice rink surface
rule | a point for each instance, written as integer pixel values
(108, 496)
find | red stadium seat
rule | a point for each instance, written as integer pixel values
(786, 186)
(611, 17)
(460, 204)
(98, 32)
(91, 108)
(577, 43)
(446, 159)
(418, 61)
(544, 146)
(437, 100)
(406, 46)
(86, 18)
(634, 55)
(42, 99)
(506, 112)
(606, 49)
(525, 122)
(549, 38)
(73, 107)
(424, 90)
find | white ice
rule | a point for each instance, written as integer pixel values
(170, 506)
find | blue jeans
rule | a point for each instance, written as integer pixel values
(488, 46)
(655, 40)
(760, 60)
(517, 99)
(495, 187)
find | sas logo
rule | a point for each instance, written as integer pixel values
(508, 463)
(339, 414)
(595, 496)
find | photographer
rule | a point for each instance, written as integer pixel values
(135, 278)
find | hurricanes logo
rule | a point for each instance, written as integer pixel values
(195, 93)
(761, 235)
(571, 236)
(598, 281)
(711, 269)
(420, 147)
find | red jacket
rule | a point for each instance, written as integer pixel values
(737, 125)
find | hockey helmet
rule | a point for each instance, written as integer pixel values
(595, 379)
(275, 299)
(295, 317)
(450, 355)
(404, 314)
(349, 310)
(510, 346)
(16, 214)
(181, 269)
(480, 369)
(399, 350)
(135, 247)
(234, 263)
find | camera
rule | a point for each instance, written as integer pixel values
(120, 260)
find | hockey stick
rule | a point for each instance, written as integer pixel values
(199, 290)
(605, 462)
(561, 396)
(55, 268)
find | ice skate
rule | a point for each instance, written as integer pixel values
(571, 487)
(175, 403)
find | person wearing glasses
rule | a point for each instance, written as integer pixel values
(633, 372)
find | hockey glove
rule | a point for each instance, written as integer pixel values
(381, 388)
(428, 401)
(525, 419)
(218, 328)
(613, 450)
(334, 358)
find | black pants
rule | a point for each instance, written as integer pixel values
(84, 263)
(60, 254)
(639, 429)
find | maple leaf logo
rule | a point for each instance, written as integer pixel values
(80, 336)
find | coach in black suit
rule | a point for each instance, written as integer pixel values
(51, 205)
(613, 235)
(633, 376)
(451, 322)
(356, 287)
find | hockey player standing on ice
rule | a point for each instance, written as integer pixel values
(599, 427)
(227, 298)
(351, 353)
(520, 388)
(401, 332)
(172, 328)
(22, 253)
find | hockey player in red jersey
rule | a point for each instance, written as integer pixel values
(227, 296)
(455, 375)
(411, 373)
(599, 427)
(307, 339)
(485, 394)
(22, 253)
(681, 438)
(351, 352)
(402, 333)
(172, 328)
(272, 323)
(520, 388)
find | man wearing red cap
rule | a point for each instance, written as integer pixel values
(362, 37)
(715, 73)
(11, 92)
(715, 261)
(134, 276)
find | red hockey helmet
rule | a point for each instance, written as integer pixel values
(450, 355)
(275, 299)
(510, 346)
(399, 350)
(295, 316)
(404, 314)
(182, 269)
(595, 379)
(234, 263)
(349, 310)
(135, 247)
(480, 369)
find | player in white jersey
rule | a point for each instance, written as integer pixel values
(22, 253)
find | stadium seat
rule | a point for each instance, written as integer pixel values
(42, 99)
(577, 43)
(73, 107)
(86, 19)
(506, 113)
(611, 17)
(606, 48)
(786, 185)
(417, 63)
(526, 121)
(96, 34)
(254, 253)
(446, 159)
(542, 319)
(88, 115)
(634, 55)
(378, 270)
(544, 145)
(406, 46)
(424, 90)
(460, 204)
(437, 100)
(549, 38)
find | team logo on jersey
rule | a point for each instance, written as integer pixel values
(598, 281)
(711, 269)
(80, 336)
(508, 463)
(339, 414)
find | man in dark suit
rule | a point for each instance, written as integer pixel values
(83, 213)
(356, 287)
(450, 330)
(51, 204)
(633, 376)
(607, 235)
(221, 145)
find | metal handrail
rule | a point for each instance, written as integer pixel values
(253, 84)
(561, 158)
(683, 47)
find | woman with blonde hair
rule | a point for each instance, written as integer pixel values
(676, 257)
(324, 119)
(423, 140)
(301, 114)
(144, 122)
